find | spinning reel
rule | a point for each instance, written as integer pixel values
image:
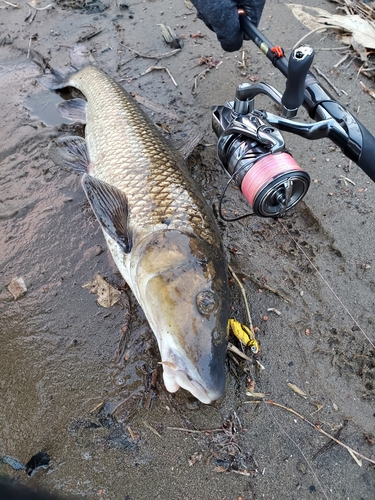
(251, 148)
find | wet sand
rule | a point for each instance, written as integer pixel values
(77, 380)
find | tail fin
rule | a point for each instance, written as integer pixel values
(80, 57)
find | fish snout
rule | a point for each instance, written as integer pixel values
(178, 374)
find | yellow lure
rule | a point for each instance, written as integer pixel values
(244, 334)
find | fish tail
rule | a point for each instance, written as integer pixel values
(58, 78)
(55, 80)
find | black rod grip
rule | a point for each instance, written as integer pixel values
(298, 67)
(367, 158)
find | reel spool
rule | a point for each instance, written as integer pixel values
(274, 184)
(254, 155)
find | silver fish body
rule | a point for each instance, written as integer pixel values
(158, 227)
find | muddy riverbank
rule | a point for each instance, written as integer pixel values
(82, 383)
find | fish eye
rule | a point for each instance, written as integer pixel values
(206, 302)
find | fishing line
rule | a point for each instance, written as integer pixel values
(328, 285)
(298, 448)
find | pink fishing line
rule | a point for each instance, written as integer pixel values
(265, 171)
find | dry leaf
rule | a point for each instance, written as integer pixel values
(362, 31)
(17, 287)
(108, 296)
(188, 4)
(196, 457)
(220, 468)
(308, 20)
(297, 390)
(318, 405)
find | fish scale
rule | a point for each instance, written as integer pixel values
(136, 159)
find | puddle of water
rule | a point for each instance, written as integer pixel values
(43, 107)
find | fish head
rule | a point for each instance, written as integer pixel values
(183, 290)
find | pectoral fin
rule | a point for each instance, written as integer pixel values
(111, 209)
(74, 110)
(71, 153)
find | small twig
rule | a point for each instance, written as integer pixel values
(316, 427)
(367, 70)
(332, 48)
(320, 73)
(160, 68)
(244, 298)
(307, 35)
(84, 38)
(199, 77)
(234, 349)
(194, 431)
(47, 7)
(343, 59)
(31, 16)
(233, 358)
(260, 366)
(267, 287)
(276, 292)
(155, 56)
(329, 444)
(97, 407)
(186, 14)
(29, 48)
(273, 309)
(146, 424)
(346, 179)
(348, 64)
(15, 5)
(368, 91)
(129, 429)
(242, 63)
(243, 473)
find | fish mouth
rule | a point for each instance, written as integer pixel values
(176, 375)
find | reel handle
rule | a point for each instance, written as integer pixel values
(298, 67)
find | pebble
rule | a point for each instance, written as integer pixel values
(301, 467)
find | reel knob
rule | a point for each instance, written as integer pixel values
(298, 67)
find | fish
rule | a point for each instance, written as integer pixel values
(158, 227)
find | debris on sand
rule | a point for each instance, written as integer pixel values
(297, 390)
(195, 457)
(13, 462)
(170, 37)
(17, 287)
(160, 68)
(37, 461)
(355, 28)
(14, 5)
(108, 296)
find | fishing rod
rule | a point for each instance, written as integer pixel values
(251, 147)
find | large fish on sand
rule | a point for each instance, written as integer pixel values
(158, 227)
